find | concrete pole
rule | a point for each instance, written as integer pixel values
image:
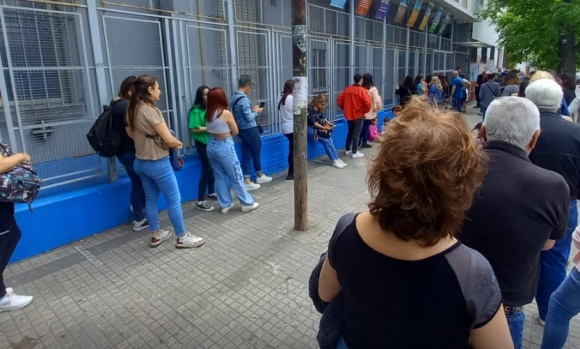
(300, 69)
(233, 54)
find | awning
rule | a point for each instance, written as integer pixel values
(473, 43)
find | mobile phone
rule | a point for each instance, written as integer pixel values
(262, 104)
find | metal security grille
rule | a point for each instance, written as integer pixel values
(49, 105)
(59, 67)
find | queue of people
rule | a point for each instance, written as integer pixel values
(523, 148)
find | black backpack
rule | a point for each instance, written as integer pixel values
(102, 137)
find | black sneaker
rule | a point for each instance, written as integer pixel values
(290, 177)
(212, 196)
(138, 226)
(203, 206)
(366, 145)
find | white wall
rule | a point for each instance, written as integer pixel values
(485, 32)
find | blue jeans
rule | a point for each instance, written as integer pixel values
(516, 322)
(137, 192)
(457, 103)
(158, 176)
(364, 135)
(206, 181)
(224, 161)
(564, 305)
(251, 149)
(553, 264)
(329, 148)
(341, 344)
(483, 111)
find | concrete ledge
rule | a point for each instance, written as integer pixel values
(72, 212)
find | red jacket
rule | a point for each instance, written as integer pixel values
(355, 101)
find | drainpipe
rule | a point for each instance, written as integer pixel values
(352, 40)
(233, 55)
(99, 57)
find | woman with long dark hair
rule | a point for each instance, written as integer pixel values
(200, 137)
(152, 139)
(221, 126)
(126, 155)
(376, 105)
(285, 108)
(405, 90)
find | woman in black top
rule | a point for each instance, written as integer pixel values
(9, 236)
(406, 90)
(126, 155)
(403, 278)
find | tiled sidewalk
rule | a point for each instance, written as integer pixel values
(246, 288)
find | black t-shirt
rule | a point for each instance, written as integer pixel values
(519, 207)
(558, 149)
(429, 303)
(120, 122)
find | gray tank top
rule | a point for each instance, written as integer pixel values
(217, 126)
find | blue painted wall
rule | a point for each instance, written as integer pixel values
(65, 214)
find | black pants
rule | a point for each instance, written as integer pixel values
(477, 95)
(206, 181)
(364, 134)
(9, 236)
(353, 135)
(290, 137)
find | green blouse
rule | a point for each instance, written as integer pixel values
(197, 120)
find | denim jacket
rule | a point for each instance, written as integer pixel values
(243, 113)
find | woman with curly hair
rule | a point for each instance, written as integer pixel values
(398, 268)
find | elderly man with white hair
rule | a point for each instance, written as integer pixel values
(558, 150)
(520, 210)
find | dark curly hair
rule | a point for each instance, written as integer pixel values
(425, 174)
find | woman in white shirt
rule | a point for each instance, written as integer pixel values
(285, 108)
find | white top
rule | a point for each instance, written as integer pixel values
(287, 115)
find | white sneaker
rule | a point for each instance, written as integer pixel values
(138, 226)
(263, 179)
(347, 152)
(188, 241)
(337, 164)
(252, 186)
(358, 155)
(12, 301)
(157, 239)
(227, 209)
(342, 162)
(249, 208)
(542, 322)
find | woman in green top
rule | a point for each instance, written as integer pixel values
(200, 137)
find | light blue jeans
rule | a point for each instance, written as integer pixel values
(553, 264)
(516, 323)
(224, 161)
(158, 176)
(564, 305)
(329, 148)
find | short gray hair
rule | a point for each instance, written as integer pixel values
(513, 120)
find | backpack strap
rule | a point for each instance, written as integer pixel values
(236, 102)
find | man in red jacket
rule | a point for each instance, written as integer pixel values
(355, 101)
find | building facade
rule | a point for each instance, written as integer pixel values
(62, 60)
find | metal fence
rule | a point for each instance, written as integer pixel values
(63, 59)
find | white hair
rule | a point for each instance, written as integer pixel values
(546, 94)
(513, 120)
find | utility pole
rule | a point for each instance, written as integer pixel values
(300, 70)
